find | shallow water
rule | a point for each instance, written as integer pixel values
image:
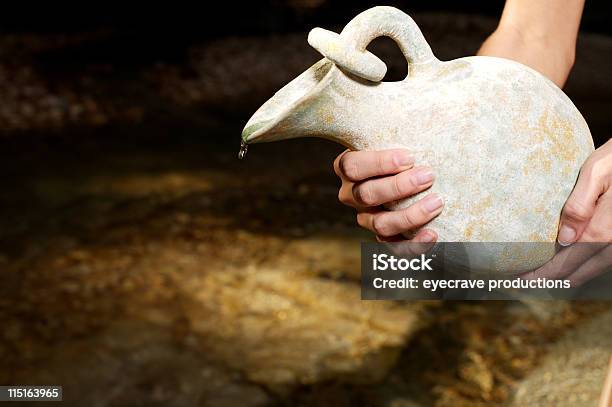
(243, 150)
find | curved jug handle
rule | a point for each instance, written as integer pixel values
(348, 49)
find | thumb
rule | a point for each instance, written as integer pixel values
(579, 207)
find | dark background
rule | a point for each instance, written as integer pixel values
(137, 253)
(219, 18)
(114, 42)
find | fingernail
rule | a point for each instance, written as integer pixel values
(428, 237)
(432, 202)
(566, 235)
(403, 159)
(424, 176)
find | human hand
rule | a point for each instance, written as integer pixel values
(586, 217)
(587, 214)
(373, 178)
(578, 263)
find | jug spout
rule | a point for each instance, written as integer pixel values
(322, 101)
(300, 109)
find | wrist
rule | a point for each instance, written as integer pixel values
(539, 39)
(534, 50)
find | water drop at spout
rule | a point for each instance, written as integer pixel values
(243, 150)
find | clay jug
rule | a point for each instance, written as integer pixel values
(506, 144)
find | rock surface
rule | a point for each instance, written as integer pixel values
(574, 370)
(136, 276)
(174, 292)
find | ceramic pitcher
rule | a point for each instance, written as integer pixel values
(505, 143)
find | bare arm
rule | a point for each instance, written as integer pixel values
(538, 33)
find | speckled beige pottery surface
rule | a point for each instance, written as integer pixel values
(505, 143)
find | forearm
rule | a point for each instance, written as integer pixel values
(538, 33)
